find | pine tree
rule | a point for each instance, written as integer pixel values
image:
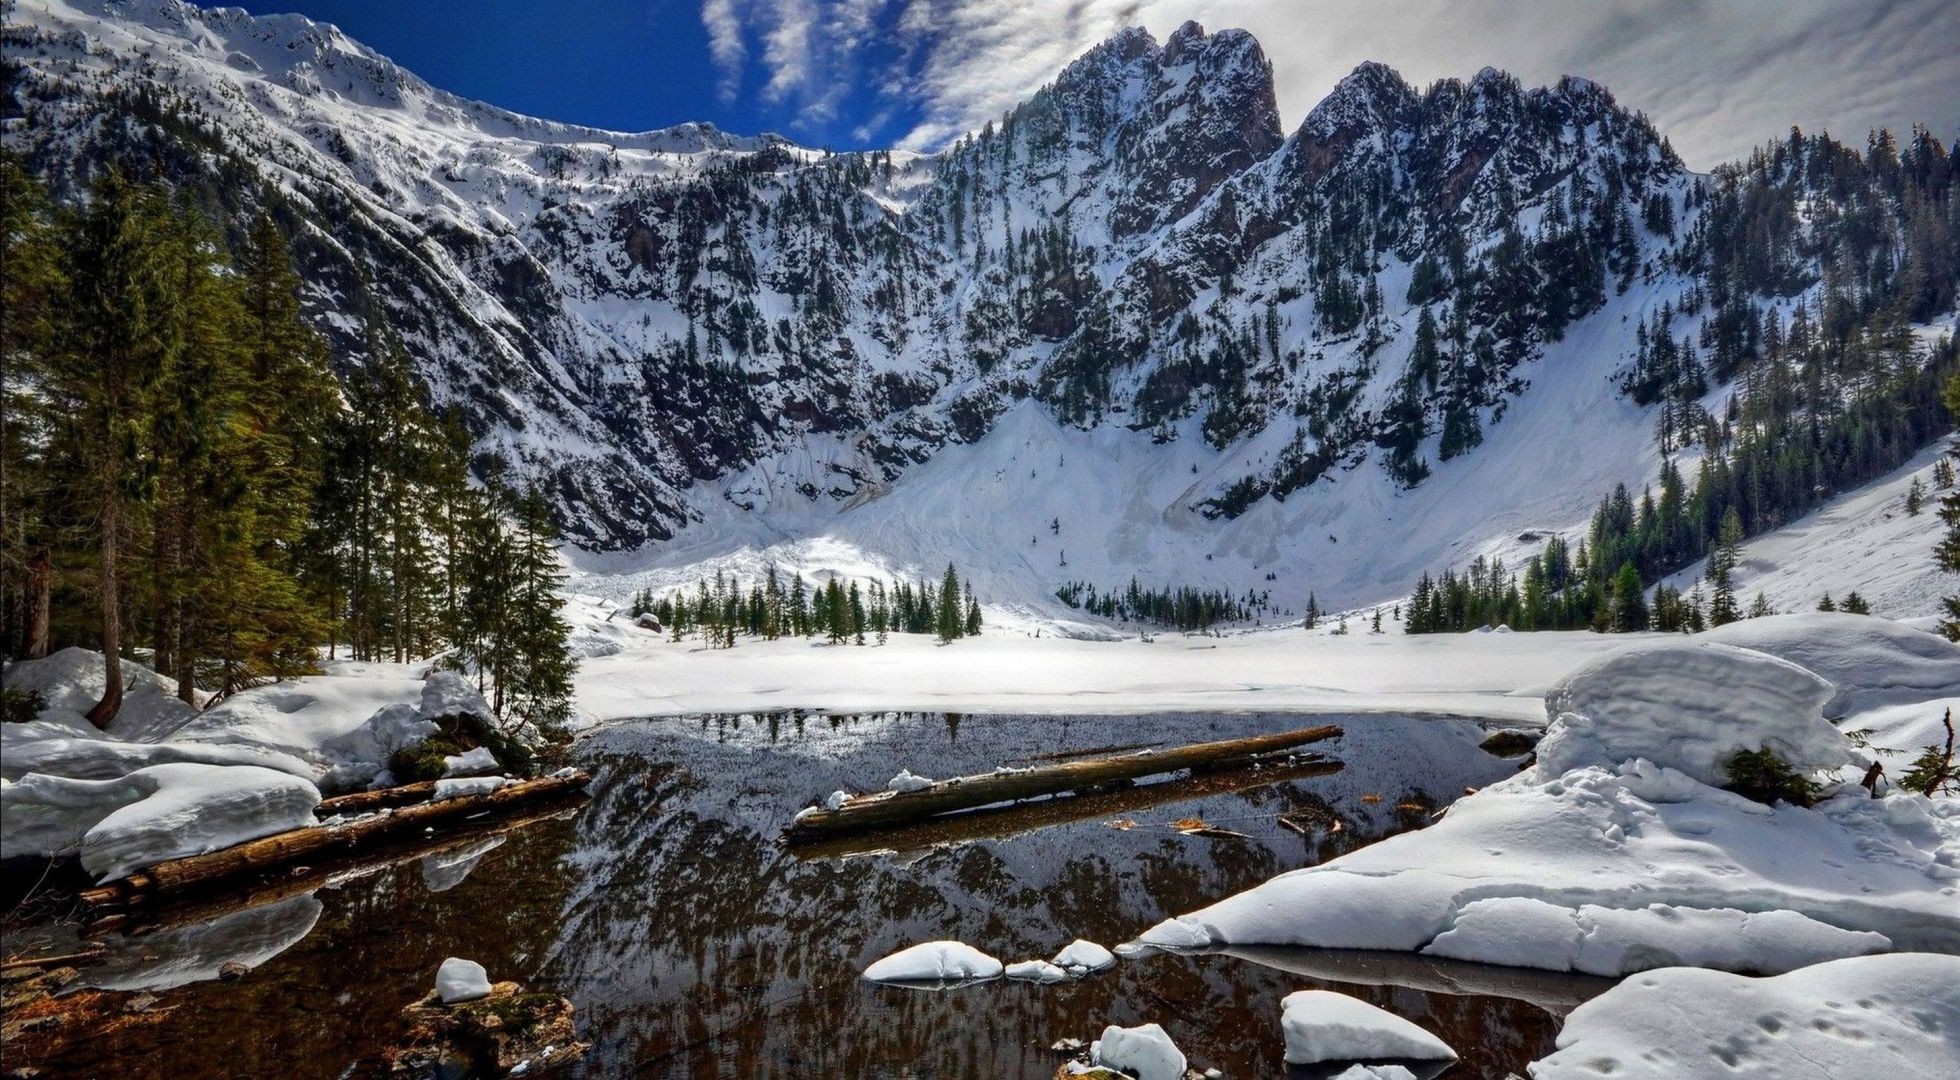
(31, 289)
(1855, 604)
(1827, 604)
(1915, 497)
(1629, 612)
(1946, 554)
(1721, 570)
(949, 624)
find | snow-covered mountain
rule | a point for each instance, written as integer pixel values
(1221, 354)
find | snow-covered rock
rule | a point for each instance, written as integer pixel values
(1871, 661)
(1689, 706)
(905, 781)
(1081, 957)
(935, 963)
(1144, 1051)
(1037, 971)
(70, 682)
(1321, 1025)
(1875, 1016)
(155, 813)
(459, 980)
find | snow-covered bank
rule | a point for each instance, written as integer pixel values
(1499, 676)
(168, 780)
(1874, 1016)
(1614, 854)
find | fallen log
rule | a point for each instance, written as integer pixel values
(967, 792)
(321, 841)
(1006, 822)
(361, 802)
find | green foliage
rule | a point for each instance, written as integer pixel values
(1181, 607)
(1934, 770)
(841, 612)
(20, 706)
(1766, 778)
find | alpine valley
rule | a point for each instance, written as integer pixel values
(1134, 327)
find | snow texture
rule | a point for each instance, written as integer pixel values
(1874, 1016)
(905, 781)
(466, 786)
(1084, 957)
(1144, 1051)
(469, 762)
(459, 980)
(1689, 706)
(1321, 1025)
(935, 963)
(155, 813)
(1036, 971)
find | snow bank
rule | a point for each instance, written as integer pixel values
(1144, 1051)
(50, 749)
(1894, 1016)
(1689, 706)
(70, 682)
(1597, 848)
(1083, 957)
(935, 963)
(1872, 661)
(459, 980)
(1321, 1025)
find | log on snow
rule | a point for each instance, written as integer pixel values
(1009, 821)
(281, 849)
(967, 792)
(361, 802)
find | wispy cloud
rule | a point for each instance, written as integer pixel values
(1718, 76)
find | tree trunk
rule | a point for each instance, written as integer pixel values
(112, 682)
(40, 586)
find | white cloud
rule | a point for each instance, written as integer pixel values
(724, 25)
(1718, 76)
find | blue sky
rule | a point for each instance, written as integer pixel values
(1717, 76)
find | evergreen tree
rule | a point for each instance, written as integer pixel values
(1721, 570)
(950, 624)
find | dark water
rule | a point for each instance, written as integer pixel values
(694, 944)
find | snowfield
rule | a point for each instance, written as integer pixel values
(1614, 853)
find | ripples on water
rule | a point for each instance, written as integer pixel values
(695, 944)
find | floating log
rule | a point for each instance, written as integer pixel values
(322, 841)
(967, 792)
(1005, 822)
(361, 802)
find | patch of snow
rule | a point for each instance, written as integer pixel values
(469, 762)
(1083, 957)
(836, 800)
(1375, 1072)
(1689, 706)
(1145, 1052)
(935, 963)
(461, 787)
(1036, 971)
(905, 781)
(1872, 661)
(155, 813)
(459, 980)
(1321, 1025)
(1872, 1016)
(70, 682)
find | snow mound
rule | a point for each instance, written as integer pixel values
(1037, 971)
(1896, 1016)
(70, 682)
(935, 963)
(446, 693)
(905, 781)
(1689, 706)
(1083, 957)
(153, 814)
(459, 980)
(1598, 848)
(302, 716)
(45, 748)
(1321, 1025)
(469, 762)
(1145, 1052)
(1620, 941)
(1872, 661)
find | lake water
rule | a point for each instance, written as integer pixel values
(694, 943)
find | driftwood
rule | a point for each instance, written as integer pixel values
(967, 792)
(1009, 821)
(323, 841)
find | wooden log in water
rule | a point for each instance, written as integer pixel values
(1004, 822)
(283, 849)
(967, 792)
